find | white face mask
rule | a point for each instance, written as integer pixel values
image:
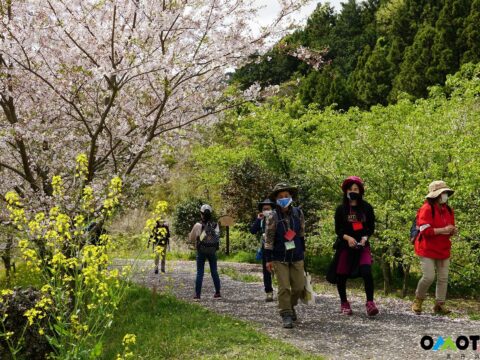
(443, 198)
(266, 213)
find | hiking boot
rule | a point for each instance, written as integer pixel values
(269, 297)
(287, 321)
(294, 315)
(196, 297)
(441, 309)
(156, 270)
(372, 309)
(217, 296)
(417, 306)
(345, 308)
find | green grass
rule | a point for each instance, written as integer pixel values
(20, 277)
(236, 275)
(169, 328)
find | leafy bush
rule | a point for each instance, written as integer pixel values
(30, 344)
(186, 214)
(398, 150)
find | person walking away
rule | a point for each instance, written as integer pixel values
(205, 235)
(161, 241)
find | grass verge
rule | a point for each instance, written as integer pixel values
(238, 276)
(168, 328)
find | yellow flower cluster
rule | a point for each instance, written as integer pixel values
(113, 198)
(73, 274)
(39, 311)
(57, 184)
(81, 169)
(15, 208)
(158, 214)
(88, 200)
(3, 294)
(128, 340)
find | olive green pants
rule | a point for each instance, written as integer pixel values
(291, 283)
(163, 255)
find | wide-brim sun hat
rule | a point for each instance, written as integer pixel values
(265, 202)
(349, 181)
(436, 188)
(293, 190)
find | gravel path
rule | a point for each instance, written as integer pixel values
(394, 334)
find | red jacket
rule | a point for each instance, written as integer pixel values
(427, 244)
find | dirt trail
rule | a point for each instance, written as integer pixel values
(394, 334)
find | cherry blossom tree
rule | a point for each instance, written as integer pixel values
(121, 81)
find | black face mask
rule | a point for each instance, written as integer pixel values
(353, 196)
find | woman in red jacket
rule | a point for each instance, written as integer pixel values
(436, 224)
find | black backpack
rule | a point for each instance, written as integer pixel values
(209, 240)
(161, 234)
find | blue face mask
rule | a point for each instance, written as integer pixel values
(285, 202)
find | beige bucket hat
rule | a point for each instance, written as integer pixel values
(436, 188)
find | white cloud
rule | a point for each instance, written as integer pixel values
(271, 7)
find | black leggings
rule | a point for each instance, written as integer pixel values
(366, 274)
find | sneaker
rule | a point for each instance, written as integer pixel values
(269, 297)
(294, 315)
(417, 306)
(217, 296)
(196, 297)
(371, 308)
(441, 309)
(287, 321)
(345, 308)
(156, 270)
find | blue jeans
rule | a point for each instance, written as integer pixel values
(212, 261)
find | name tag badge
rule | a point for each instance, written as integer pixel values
(290, 245)
(290, 234)
(357, 226)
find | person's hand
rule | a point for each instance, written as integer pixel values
(261, 216)
(449, 229)
(363, 241)
(351, 242)
(269, 266)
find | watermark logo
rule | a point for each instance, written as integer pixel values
(461, 343)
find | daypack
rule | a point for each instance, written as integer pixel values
(209, 239)
(414, 231)
(161, 235)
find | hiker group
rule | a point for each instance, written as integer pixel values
(280, 226)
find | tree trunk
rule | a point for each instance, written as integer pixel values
(406, 273)
(386, 277)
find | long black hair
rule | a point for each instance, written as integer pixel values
(360, 205)
(432, 202)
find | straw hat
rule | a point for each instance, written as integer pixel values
(436, 188)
